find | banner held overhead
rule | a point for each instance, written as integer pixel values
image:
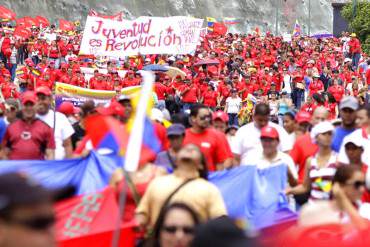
(145, 35)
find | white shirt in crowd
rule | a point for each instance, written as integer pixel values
(342, 157)
(281, 159)
(233, 104)
(63, 130)
(247, 142)
(287, 88)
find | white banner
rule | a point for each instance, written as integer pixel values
(145, 35)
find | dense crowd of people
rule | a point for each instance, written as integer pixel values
(241, 99)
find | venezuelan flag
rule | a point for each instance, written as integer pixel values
(141, 129)
(36, 72)
(19, 72)
(297, 29)
(230, 21)
(107, 132)
(210, 22)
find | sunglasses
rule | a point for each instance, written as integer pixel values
(38, 223)
(205, 117)
(357, 184)
(188, 230)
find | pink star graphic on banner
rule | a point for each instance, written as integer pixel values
(169, 30)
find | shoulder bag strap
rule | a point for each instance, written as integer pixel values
(172, 162)
(166, 202)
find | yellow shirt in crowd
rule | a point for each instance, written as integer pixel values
(199, 194)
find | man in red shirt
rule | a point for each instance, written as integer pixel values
(354, 50)
(78, 79)
(28, 138)
(189, 94)
(211, 142)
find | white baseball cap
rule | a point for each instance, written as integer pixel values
(321, 128)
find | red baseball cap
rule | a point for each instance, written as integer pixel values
(43, 90)
(67, 108)
(29, 96)
(220, 115)
(269, 132)
(302, 117)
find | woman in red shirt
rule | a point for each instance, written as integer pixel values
(316, 86)
(210, 97)
(54, 54)
(336, 90)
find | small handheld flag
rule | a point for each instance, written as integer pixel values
(297, 29)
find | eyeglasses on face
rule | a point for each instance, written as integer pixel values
(188, 230)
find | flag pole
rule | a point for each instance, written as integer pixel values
(134, 145)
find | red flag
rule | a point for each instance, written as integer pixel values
(26, 21)
(90, 220)
(219, 28)
(42, 21)
(6, 13)
(22, 32)
(116, 17)
(65, 25)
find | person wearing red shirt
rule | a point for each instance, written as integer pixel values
(298, 86)
(45, 80)
(336, 90)
(309, 106)
(130, 79)
(109, 83)
(189, 94)
(54, 53)
(8, 89)
(66, 78)
(61, 72)
(316, 86)
(78, 79)
(161, 90)
(210, 97)
(98, 83)
(354, 50)
(28, 138)
(211, 142)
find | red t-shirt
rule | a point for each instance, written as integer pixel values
(210, 98)
(213, 145)
(302, 149)
(191, 95)
(337, 91)
(160, 90)
(367, 75)
(28, 141)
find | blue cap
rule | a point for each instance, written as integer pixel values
(176, 130)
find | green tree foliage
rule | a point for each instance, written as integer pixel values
(358, 17)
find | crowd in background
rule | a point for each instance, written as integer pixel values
(253, 100)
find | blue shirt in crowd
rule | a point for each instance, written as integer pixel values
(338, 137)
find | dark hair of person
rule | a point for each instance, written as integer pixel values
(162, 216)
(318, 98)
(180, 118)
(344, 173)
(290, 115)
(87, 108)
(331, 98)
(194, 110)
(262, 109)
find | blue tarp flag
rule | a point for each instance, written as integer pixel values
(256, 195)
(249, 193)
(87, 175)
